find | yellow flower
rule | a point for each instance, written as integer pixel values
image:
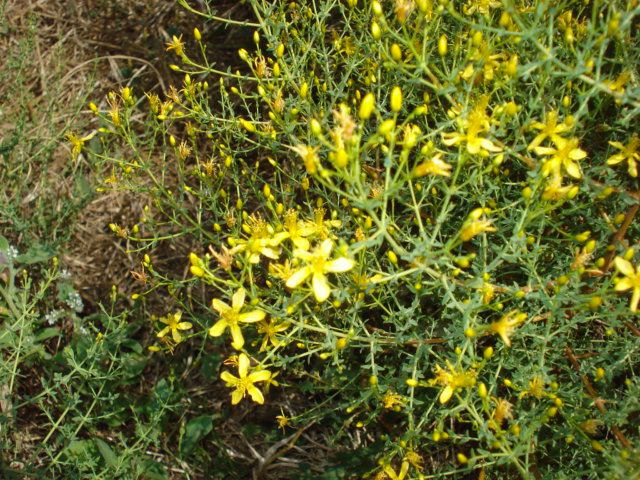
(309, 156)
(296, 230)
(536, 388)
(231, 317)
(347, 125)
(488, 290)
(565, 154)
(483, 7)
(471, 228)
(78, 143)
(476, 122)
(245, 382)
(555, 190)
(270, 331)
(618, 84)
(320, 227)
(283, 421)
(452, 380)
(173, 326)
(507, 324)
(549, 129)
(402, 473)
(629, 153)
(501, 411)
(435, 166)
(176, 45)
(317, 264)
(391, 399)
(631, 280)
(260, 242)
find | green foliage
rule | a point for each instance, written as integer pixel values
(43, 193)
(65, 378)
(414, 212)
(410, 225)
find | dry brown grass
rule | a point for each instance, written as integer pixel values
(84, 49)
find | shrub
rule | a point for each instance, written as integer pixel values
(418, 214)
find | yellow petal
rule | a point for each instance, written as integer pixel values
(473, 146)
(489, 146)
(163, 332)
(243, 365)
(537, 141)
(303, 255)
(325, 247)
(505, 337)
(298, 277)
(451, 138)
(544, 150)
(446, 394)
(228, 378)
(260, 376)
(176, 336)
(250, 317)
(339, 265)
(577, 154)
(624, 284)
(256, 394)
(219, 306)
(270, 253)
(573, 170)
(236, 334)
(624, 266)
(237, 301)
(218, 328)
(236, 396)
(320, 287)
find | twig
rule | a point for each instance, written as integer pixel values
(274, 453)
(596, 399)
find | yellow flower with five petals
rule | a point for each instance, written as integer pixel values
(566, 154)
(174, 325)
(317, 265)
(245, 381)
(232, 317)
(629, 153)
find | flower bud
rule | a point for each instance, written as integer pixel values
(376, 33)
(442, 45)
(396, 52)
(367, 106)
(396, 99)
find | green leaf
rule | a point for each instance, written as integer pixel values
(132, 344)
(4, 244)
(7, 337)
(37, 253)
(47, 333)
(110, 458)
(152, 470)
(196, 429)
